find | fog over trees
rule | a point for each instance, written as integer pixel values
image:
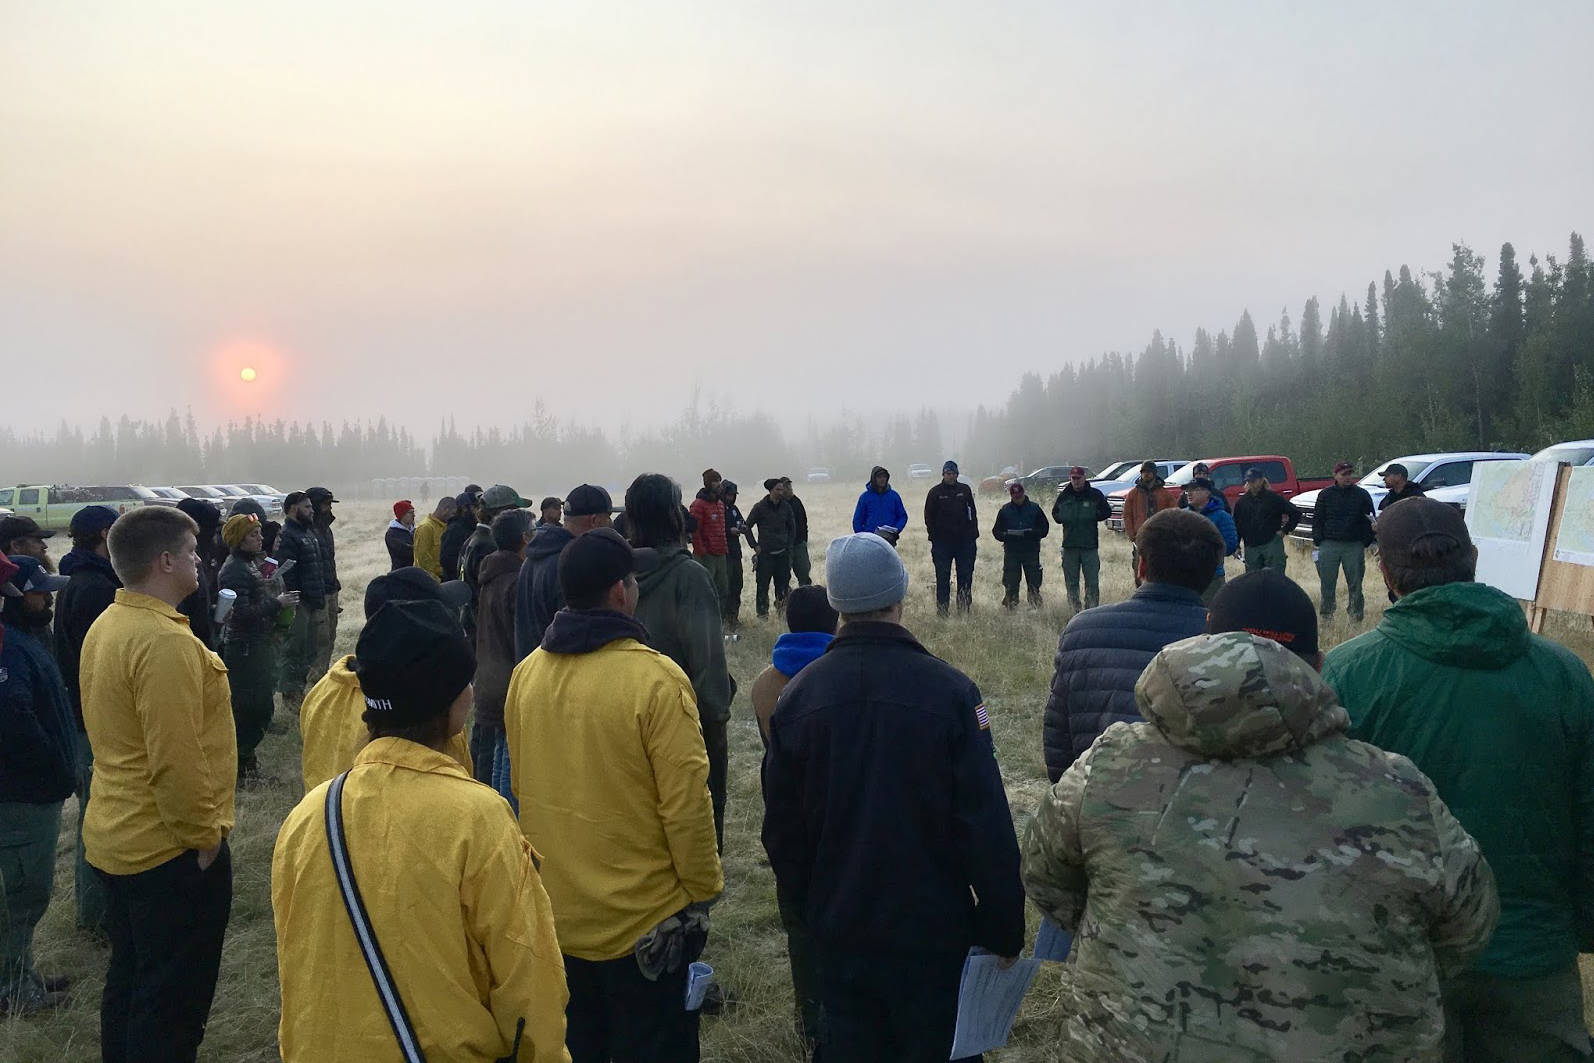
(1466, 357)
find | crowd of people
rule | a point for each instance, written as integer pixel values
(510, 842)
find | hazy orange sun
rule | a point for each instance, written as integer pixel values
(247, 376)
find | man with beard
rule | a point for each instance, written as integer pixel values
(40, 773)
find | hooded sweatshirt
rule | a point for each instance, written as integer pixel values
(1247, 883)
(607, 758)
(77, 606)
(879, 508)
(1502, 721)
(400, 544)
(537, 593)
(793, 652)
(678, 605)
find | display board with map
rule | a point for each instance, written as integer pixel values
(1574, 541)
(1508, 514)
(1566, 580)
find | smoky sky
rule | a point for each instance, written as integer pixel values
(420, 210)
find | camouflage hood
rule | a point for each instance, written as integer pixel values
(1237, 695)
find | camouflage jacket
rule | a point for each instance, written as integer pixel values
(1245, 882)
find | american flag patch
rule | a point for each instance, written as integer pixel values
(982, 717)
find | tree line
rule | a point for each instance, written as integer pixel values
(1445, 360)
(1435, 362)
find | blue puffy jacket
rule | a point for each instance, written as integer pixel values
(879, 508)
(1218, 515)
(1099, 659)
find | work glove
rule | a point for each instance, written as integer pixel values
(674, 943)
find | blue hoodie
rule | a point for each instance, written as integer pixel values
(1221, 517)
(879, 508)
(796, 650)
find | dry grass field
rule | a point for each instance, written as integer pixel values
(1009, 655)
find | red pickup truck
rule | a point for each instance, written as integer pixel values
(1228, 476)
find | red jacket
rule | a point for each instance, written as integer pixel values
(709, 539)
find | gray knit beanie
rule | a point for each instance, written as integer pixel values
(864, 573)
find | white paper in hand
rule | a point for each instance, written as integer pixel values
(988, 1002)
(1052, 942)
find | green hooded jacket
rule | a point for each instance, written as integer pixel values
(1502, 721)
(678, 605)
(1244, 882)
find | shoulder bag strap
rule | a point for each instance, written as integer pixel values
(386, 990)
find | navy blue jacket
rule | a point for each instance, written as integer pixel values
(537, 593)
(1099, 659)
(77, 606)
(38, 739)
(1021, 526)
(883, 803)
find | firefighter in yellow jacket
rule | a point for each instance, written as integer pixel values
(159, 717)
(455, 955)
(607, 760)
(330, 717)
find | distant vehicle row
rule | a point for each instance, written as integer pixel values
(1228, 476)
(52, 505)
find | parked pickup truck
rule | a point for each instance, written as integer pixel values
(1228, 476)
(1432, 472)
(52, 505)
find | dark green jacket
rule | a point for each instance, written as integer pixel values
(1502, 721)
(1079, 514)
(680, 608)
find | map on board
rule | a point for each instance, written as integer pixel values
(1503, 498)
(1575, 544)
(1508, 514)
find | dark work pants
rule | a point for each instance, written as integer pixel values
(943, 556)
(167, 926)
(617, 1016)
(888, 1006)
(803, 951)
(1017, 560)
(86, 882)
(28, 834)
(731, 604)
(483, 739)
(717, 742)
(251, 679)
(776, 568)
(801, 567)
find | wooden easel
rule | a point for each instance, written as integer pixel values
(1563, 586)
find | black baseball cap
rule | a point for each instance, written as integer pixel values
(318, 495)
(597, 560)
(588, 500)
(412, 660)
(413, 584)
(1397, 469)
(1254, 473)
(1270, 604)
(1421, 533)
(16, 527)
(91, 519)
(291, 499)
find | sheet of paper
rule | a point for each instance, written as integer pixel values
(988, 1002)
(1052, 942)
